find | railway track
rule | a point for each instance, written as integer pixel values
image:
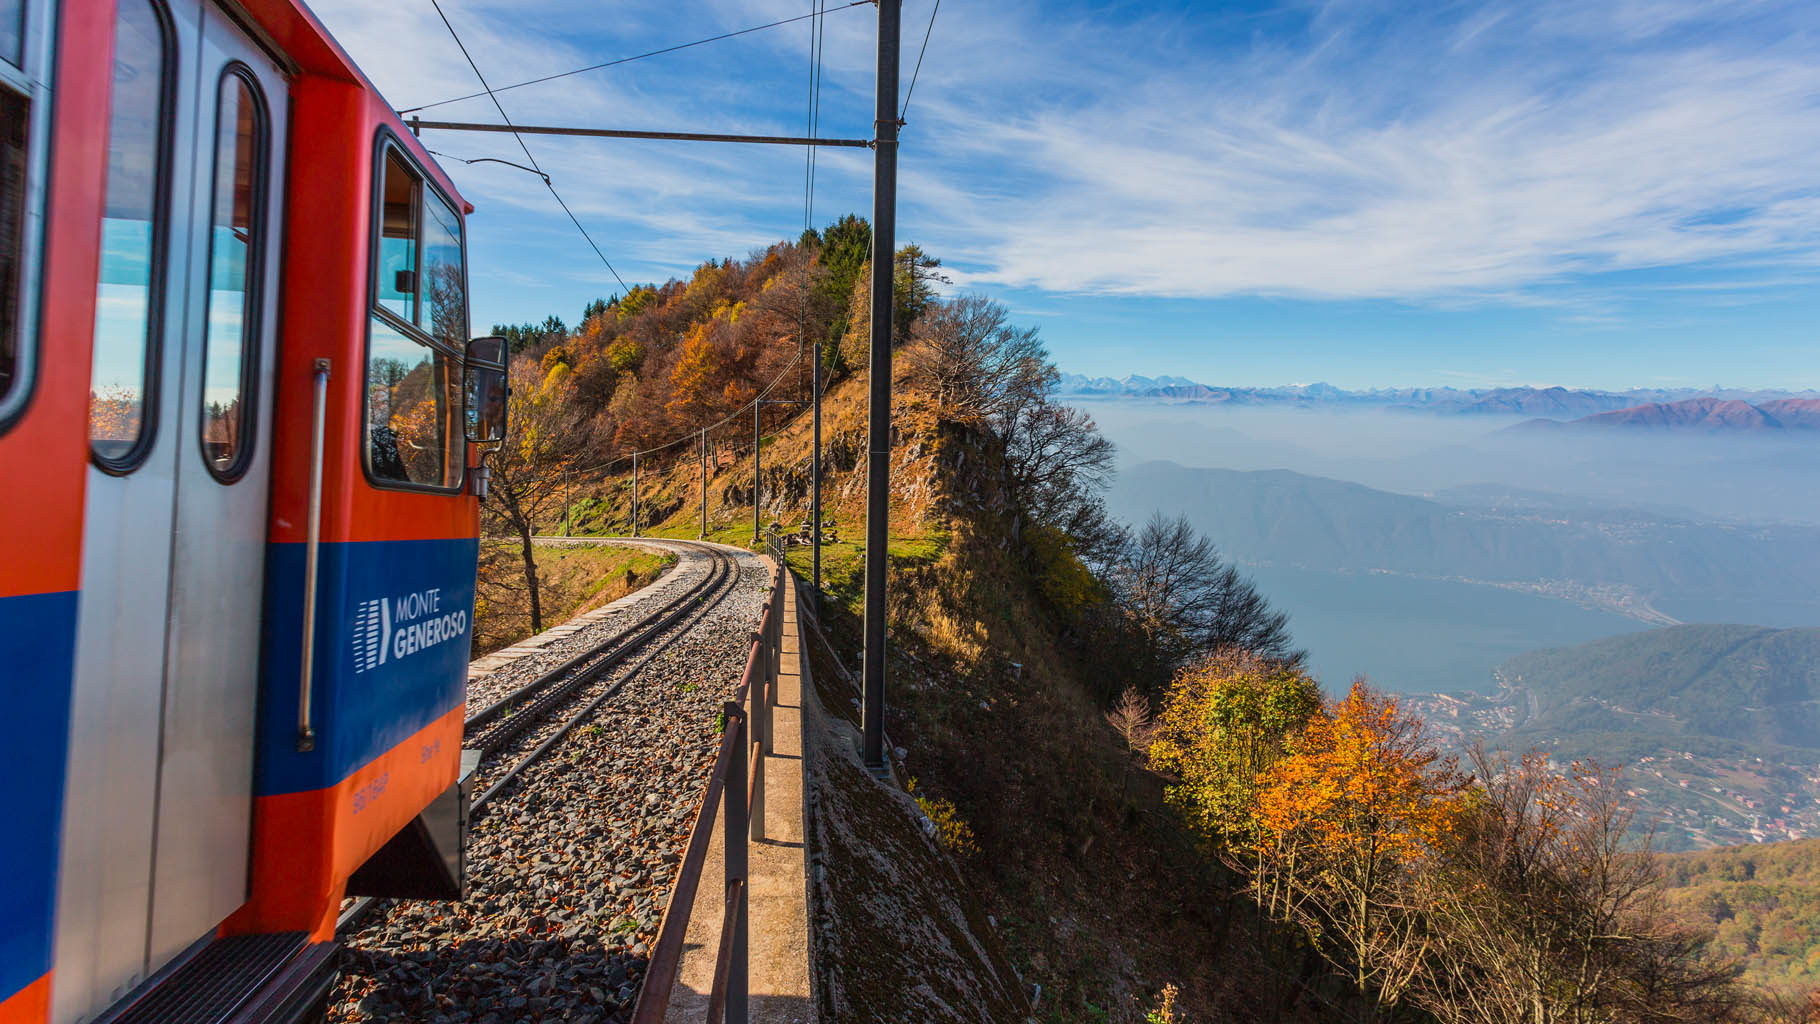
(528, 721)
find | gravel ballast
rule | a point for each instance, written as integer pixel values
(570, 868)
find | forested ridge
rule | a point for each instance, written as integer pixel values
(1110, 728)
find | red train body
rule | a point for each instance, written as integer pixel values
(215, 232)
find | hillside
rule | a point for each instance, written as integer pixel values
(1762, 904)
(1758, 686)
(1718, 726)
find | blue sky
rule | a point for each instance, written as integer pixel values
(1608, 194)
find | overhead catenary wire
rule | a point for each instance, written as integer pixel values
(919, 60)
(817, 35)
(625, 60)
(527, 149)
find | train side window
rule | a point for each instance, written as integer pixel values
(124, 377)
(395, 264)
(236, 252)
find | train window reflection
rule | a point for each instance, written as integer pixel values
(126, 301)
(445, 308)
(235, 252)
(12, 31)
(410, 410)
(395, 264)
(15, 115)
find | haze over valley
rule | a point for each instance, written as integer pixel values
(1424, 536)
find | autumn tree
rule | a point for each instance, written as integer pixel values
(693, 377)
(1225, 722)
(1346, 822)
(1551, 913)
(547, 435)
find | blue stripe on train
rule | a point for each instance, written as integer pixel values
(393, 627)
(37, 658)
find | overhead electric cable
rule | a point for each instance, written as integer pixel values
(487, 160)
(625, 60)
(919, 59)
(547, 183)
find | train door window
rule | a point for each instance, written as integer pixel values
(20, 192)
(15, 120)
(235, 255)
(124, 377)
(416, 333)
(395, 265)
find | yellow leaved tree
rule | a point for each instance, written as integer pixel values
(1346, 821)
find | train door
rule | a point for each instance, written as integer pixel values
(159, 795)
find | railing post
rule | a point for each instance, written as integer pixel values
(761, 730)
(735, 857)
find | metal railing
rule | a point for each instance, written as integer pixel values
(737, 785)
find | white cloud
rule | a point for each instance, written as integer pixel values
(1412, 163)
(1499, 152)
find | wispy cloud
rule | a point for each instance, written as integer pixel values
(1503, 153)
(1410, 157)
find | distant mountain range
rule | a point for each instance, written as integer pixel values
(1709, 415)
(1553, 402)
(1620, 560)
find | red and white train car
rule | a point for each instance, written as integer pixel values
(238, 523)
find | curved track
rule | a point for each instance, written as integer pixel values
(527, 720)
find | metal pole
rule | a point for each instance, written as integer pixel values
(565, 503)
(878, 406)
(757, 459)
(621, 133)
(634, 494)
(735, 828)
(815, 486)
(704, 484)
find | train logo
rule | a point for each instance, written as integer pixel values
(401, 626)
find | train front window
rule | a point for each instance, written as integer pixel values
(126, 321)
(416, 332)
(395, 265)
(235, 252)
(445, 307)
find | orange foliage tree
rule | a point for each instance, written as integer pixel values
(1345, 822)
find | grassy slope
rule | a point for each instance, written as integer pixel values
(571, 580)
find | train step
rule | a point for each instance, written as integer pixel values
(240, 979)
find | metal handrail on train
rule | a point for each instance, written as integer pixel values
(737, 783)
(306, 730)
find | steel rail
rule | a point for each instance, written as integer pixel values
(728, 580)
(475, 809)
(600, 659)
(494, 709)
